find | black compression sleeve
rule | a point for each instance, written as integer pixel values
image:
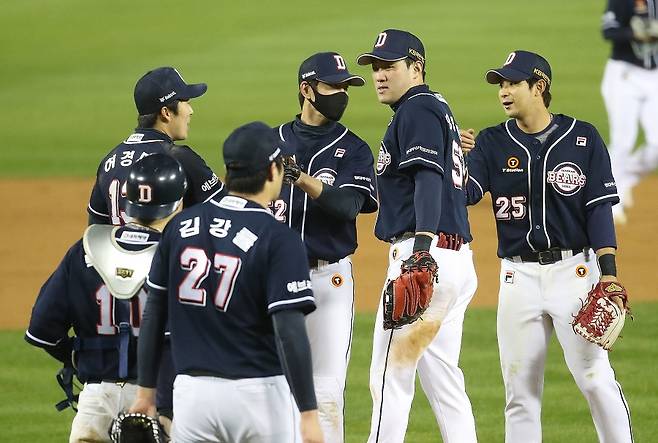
(62, 351)
(164, 400)
(342, 203)
(94, 219)
(295, 354)
(601, 227)
(427, 199)
(151, 337)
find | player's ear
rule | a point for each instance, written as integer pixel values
(165, 114)
(541, 86)
(306, 91)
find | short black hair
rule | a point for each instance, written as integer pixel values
(314, 85)
(546, 95)
(148, 120)
(410, 61)
(252, 183)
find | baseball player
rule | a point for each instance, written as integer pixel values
(331, 180)
(420, 179)
(552, 193)
(98, 291)
(163, 102)
(234, 286)
(630, 92)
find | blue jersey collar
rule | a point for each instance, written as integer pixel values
(412, 91)
(154, 133)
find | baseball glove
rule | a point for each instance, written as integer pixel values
(600, 320)
(291, 170)
(407, 297)
(137, 428)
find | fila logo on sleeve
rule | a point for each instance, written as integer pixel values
(381, 38)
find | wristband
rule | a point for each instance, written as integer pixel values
(607, 264)
(422, 242)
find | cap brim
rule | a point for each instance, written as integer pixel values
(193, 91)
(150, 212)
(352, 80)
(369, 57)
(495, 76)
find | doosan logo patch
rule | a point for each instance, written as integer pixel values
(581, 141)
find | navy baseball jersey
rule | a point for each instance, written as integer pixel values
(225, 267)
(541, 191)
(338, 158)
(76, 296)
(616, 27)
(422, 134)
(108, 196)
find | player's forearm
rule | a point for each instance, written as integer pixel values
(343, 203)
(606, 259)
(295, 354)
(151, 337)
(312, 186)
(620, 34)
(428, 209)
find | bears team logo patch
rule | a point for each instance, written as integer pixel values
(383, 159)
(581, 271)
(337, 280)
(326, 176)
(566, 178)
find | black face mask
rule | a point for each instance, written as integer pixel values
(331, 106)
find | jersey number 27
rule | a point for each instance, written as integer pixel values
(198, 266)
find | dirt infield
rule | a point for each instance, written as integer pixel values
(42, 218)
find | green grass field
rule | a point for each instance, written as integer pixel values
(29, 390)
(69, 67)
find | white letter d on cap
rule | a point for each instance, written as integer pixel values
(510, 57)
(381, 38)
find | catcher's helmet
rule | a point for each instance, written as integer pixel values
(156, 184)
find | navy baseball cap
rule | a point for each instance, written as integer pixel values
(519, 66)
(327, 67)
(393, 45)
(161, 86)
(250, 148)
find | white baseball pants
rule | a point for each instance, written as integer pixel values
(631, 99)
(534, 300)
(253, 410)
(329, 329)
(431, 346)
(98, 405)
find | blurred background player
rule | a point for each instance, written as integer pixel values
(163, 103)
(330, 180)
(630, 92)
(420, 178)
(98, 291)
(234, 285)
(552, 191)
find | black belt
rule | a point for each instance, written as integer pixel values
(314, 263)
(445, 241)
(548, 256)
